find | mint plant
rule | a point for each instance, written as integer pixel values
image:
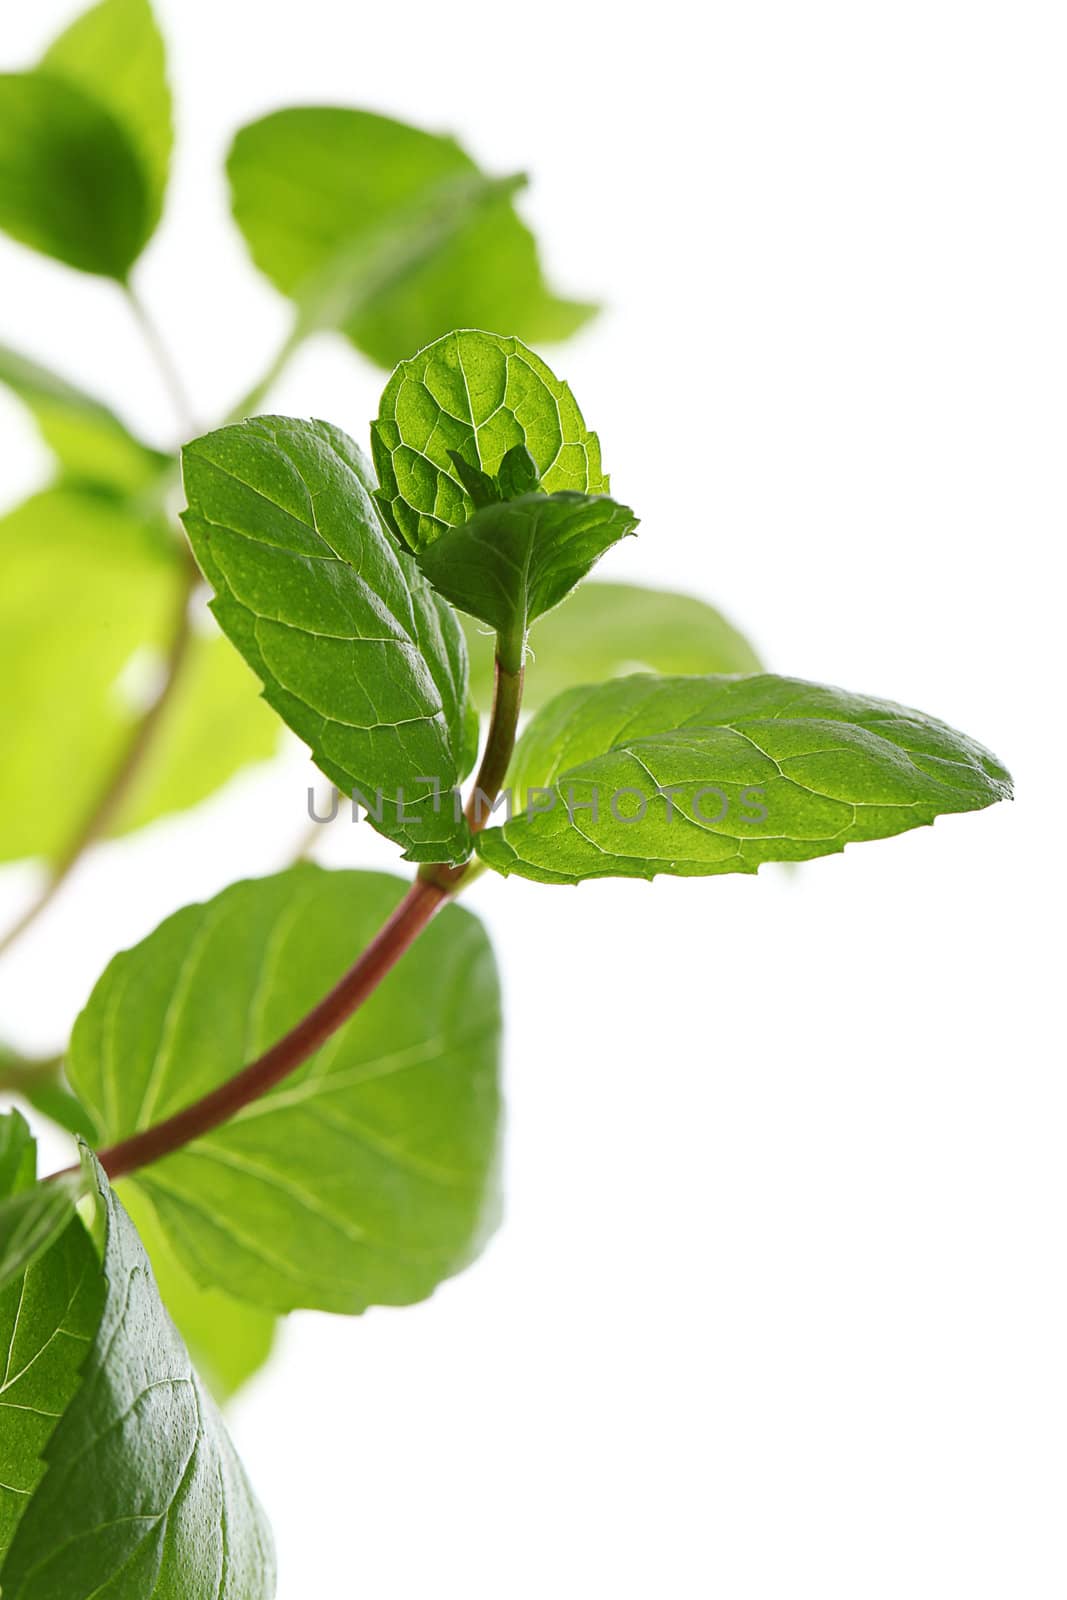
(289, 1097)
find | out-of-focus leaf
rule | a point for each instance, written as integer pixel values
(90, 443)
(217, 725)
(607, 630)
(115, 52)
(396, 223)
(71, 183)
(90, 588)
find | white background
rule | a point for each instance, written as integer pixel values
(778, 1308)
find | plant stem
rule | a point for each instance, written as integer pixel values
(432, 887)
(496, 758)
(381, 955)
(165, 363)
(108, 803)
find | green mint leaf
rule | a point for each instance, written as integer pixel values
(31, 1220)
(227, 1340)
(368, 1176)
(696, 776)
(352, 647)
(142, 1493)
(71, 183)
(391, 231)
(90, 443)
(514, 561)
(477, 394)
(49, 1314)
(482, 489)
(607, 630)
(518, 473)
(115, 53)
(89, 593)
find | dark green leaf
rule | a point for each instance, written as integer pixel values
(695, 776)
(91, 445)
(143, 1494)
(71, 182)
(18, 1153)
(518, 473)
(31, 1220)
(480, 395)
(516, 560)
(394, 228)
(608, 629)
(115, 53)
(48, 1317)
(228, 1340)
(369, 1175)
(352, 646)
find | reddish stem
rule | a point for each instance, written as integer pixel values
(311, 1032)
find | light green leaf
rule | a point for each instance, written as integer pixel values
(395, 228)
(366, 1177)
(143, 1493)
(215, 727)
(364, 662)
(228, 1340)
(696, 776)
(49, 1315)
(90, 586)
(478, 395)
(90, 443)
(516, 560)
(71, 182)
(607, 630)
(115, 53)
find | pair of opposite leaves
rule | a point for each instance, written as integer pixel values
(399, 238)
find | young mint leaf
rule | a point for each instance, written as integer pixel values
(368, 1176)
(695, 776)
(71, 182)
(518, 473)
(49, 1316)
(89, 442)
(396, 228)
(609, 629)
(516, 560)
(349, 642)
(479, 395)
(227, 1340)
(142, 1493)
(483, 490)
(115, 53)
